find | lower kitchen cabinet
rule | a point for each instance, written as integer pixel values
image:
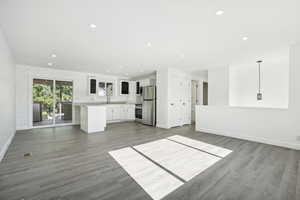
(120, 112)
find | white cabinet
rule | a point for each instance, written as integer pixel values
(109, 113)
(92, 118)
(116, 115)
(144, 82)
(130, 112)
(132, 88)
(120, 112)
(123, 112)
(127, 112)
(113, 112)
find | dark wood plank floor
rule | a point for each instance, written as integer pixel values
(67, 164)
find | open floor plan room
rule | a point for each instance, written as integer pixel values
(149, 100)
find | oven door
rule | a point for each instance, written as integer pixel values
(138, 114)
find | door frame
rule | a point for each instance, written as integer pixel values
(30, 98)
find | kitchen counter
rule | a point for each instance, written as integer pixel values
(101, 103)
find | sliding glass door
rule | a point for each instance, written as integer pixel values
(42, 93)
(63, 102)
(52, 102)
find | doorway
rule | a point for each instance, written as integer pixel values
(195, 98)
(205, 93)
(52, 102)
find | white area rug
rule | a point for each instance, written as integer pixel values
(219, 151)
(153, 179)
(181, 160)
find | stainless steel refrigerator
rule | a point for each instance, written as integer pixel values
(149, 105)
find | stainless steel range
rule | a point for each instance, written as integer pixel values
(139, 112)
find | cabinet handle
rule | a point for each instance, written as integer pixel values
(172, 104)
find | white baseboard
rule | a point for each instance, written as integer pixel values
(162, 126)
(23, 128)
(252, 138)
(6, 145)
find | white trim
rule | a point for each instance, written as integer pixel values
(5, 146)
(162, 126)
(251, 138)
(23, 128)
(47, 126)
(53, 125)
(119, 120)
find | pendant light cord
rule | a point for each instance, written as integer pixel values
(259, 77)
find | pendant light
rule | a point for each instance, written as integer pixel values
(259, 94)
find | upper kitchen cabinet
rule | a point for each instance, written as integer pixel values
(144, 82)
(132, 88)
(147, 82)
(124, 87)
(92, 85)
(101, 87)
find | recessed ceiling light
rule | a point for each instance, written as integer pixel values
(149, 44)
(53, 55)
(245, 38)
(220, 12)
(93, 26)
(50, 64)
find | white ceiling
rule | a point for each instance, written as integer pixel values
(183, 34)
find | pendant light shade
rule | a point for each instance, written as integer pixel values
(259, 94)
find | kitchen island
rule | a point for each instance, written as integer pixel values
(92, 118)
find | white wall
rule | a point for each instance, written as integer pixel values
(268, 125)
(218, 86)
(7, 99)
(25, 75)
(243, 81)
(294, 89)
(162, 98)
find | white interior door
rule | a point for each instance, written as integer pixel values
(186, 102)
(176, 94)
